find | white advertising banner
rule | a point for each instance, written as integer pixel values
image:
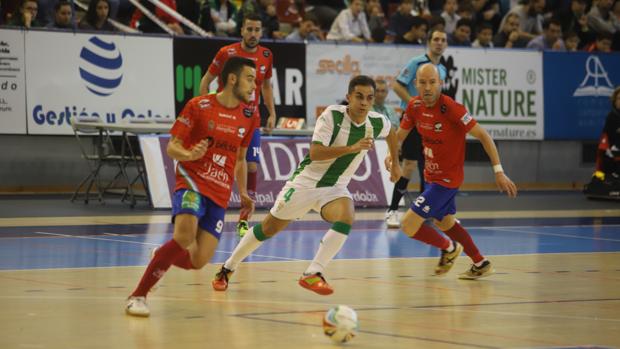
(502, 89)
(115, 78)
(12, 82)
(329, 67)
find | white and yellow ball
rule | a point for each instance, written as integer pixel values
(340, 324)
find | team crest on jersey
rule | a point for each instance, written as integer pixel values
(438, 127)
(241, 132)
(266, 53)
(466, 119)
(443, 108)
(204, 103)
(249, 110)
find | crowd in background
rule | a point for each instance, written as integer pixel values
(563, 25)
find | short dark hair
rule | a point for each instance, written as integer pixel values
(433, 31)
(310, 17)
(252, 17)
(482, 26)
(548, 22)
(60, 4)
(361, 80)
(234, 65)
(417, 21)
(464, 22)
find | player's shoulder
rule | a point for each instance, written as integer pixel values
(202, 102)
(231, 49)
(449, 102)
(373, 115)
(418, 60)
(414, 103)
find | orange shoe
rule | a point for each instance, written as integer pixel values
(316, 283)
(220, 282)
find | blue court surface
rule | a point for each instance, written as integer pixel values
(129, 245)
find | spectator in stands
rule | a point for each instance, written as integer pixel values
(271, 25)
(550, 39)
(484, 37)
(600, 18)
(351, 24)
(62, 16)
(615, 10)
(144, 24)
(462, 34)
(575, 20)
(509, 35)
(530, 18)
(465, 10)
(449, 14)
(308, 30)
(420, 8)
(487, 11)
(601, 44)
(325, 11)
(400, 22)
(26, 16)
(96, 17)
(416, 34)
(381, 92)
(376, 20)
(223, 14)
(572, 42)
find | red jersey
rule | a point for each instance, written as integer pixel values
(226, 130)
(443, 128)
(262, 58)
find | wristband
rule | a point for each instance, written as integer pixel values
(498, 168)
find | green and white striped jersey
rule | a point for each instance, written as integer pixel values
(335, 128)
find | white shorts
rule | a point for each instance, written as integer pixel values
(294, 202)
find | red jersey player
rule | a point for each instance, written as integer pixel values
(249, 47)
(443, 124)
(209, 140)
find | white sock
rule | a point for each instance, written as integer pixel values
(479, 264)
(248, 244)
(451, 247)
(330, 245)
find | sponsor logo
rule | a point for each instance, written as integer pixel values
(365, 196)
(223, 145)
(248, 111)
(426, 126)
(428, 115)
(596, 83)
(204, 103)
(219, 159)
(346, 66)
(231, 51)
(426, 209)
(438, 127)
(417, 103)
(217, 175)
(262, 69)
(466, 119)
(190, 200)
(241, 132)
(185, 121)
(226, 128)
(100, 66)
(227, 116)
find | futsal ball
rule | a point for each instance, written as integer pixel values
(340, 324)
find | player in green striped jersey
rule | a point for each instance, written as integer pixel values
(342, 137)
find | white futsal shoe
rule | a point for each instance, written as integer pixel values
(392, 219)
(136, 306)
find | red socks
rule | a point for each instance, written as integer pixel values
(184, 261)
(160, 263)
(430, 236)
(458, 233)
(251, 185)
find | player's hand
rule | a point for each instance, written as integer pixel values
(388, 162)
(363, 144)
(514, 36)
(198, 150)
(271, 123)
(395, 172)
(504, 184)
(247, 204)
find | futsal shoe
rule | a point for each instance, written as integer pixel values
(220, 282)
(446, 261)
(136, 306)
(391, 219)
(316, 283)
(486, 269)
(242, 228)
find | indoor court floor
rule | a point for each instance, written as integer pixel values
(66, 270)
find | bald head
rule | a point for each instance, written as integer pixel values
(428, 83)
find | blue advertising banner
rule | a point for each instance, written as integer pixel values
(577, 87)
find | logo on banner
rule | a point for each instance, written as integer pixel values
(100, 66)
(596, 83)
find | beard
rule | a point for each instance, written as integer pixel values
(239, 94)
(250, 44)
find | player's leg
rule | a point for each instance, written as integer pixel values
(340, 213)
(187, 207)
(253, 159)
(481, 266)
(410, 153)
(210, 229)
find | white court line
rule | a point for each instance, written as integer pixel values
(510, 313)
(550, 234)
(151, 244)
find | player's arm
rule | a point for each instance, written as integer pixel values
(393, 147)
(205, 82)
(503, 182)
(320, 152)
(267, 91)
(241, 176)
(177, 151)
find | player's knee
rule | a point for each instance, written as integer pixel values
(184, 238)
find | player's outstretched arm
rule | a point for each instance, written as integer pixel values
(503, 182)
(177, 151)
(320, 152)
(267, 90)
(241, 176)
(393, 165)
